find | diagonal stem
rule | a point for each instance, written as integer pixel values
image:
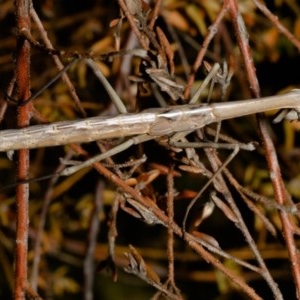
(271, 156)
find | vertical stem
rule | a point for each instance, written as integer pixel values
(280, 192)
(170, 209)
(22, 70)
(89, 264)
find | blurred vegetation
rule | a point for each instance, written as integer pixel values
(88, 26)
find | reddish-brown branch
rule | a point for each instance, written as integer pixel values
(176, 229)
(155, 14)
(57, 61)
(170, 208)
(278, 185)
(23, 84)
(274, 19)
(133, 24)
(281, 197)
(243, 42)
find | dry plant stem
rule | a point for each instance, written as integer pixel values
(274, 19)
(211, 33)
(226, 255)
(212, 157)
(170, 211)
(112, 224)
(269, 226)
(88, 264)
(170, 245)
(217, 263)
(278, 185)
(158, 4)
(267, 202)
(206, 185)
(281, 196)
(43, 215)
(57, 61)
(133, 24)
(22, 71)
(194, 145)
(170, 283)
(113, 232)
(246, 195)
(176, 229)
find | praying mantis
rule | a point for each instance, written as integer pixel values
(174, 121)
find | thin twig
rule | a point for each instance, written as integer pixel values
(57, 61)
(40, 230)
(210, 181)
(176, 229)
(222, 187)
(277, 181)
(274, 19)
(89, 264)
(22, 71)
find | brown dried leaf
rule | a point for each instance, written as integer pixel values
(187, 194)
(225, 209)
(114, 22)
(190, 169)
(177, 20)
(167, 49)
(148, 177)
(145, 213)
(207, 238)
(138, 266)
(164, 170)
(131, 181)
